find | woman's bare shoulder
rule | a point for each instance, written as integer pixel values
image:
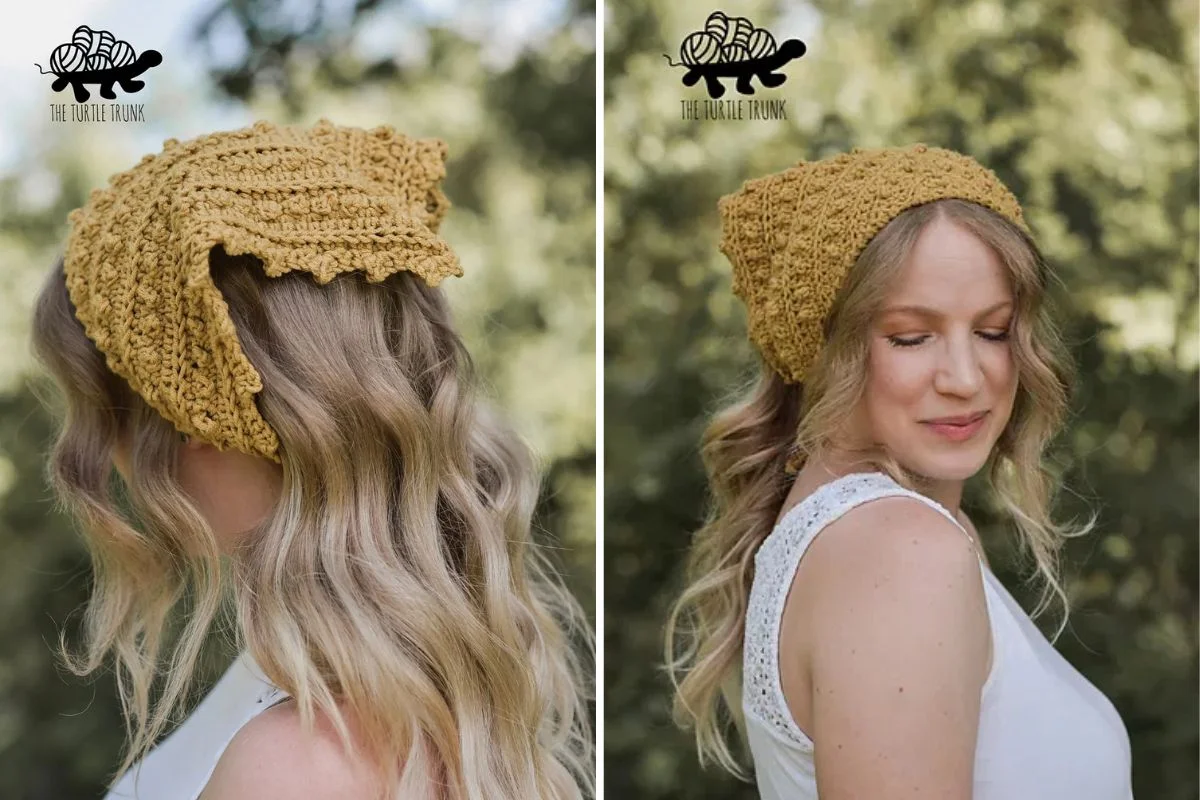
(899, 560)
(273, 756)
(891, 532)
(900, 650)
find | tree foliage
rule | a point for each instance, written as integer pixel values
(520, 128)
(1089, 113)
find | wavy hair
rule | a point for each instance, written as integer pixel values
(396, 578)
(772, 428)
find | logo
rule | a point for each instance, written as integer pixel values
(98, 58)
(732, 47)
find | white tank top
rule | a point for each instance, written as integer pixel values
(1045, 732)
(181, 764)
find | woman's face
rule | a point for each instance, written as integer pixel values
(940, 357)
(234, 491)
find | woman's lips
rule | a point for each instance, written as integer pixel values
(956, 433)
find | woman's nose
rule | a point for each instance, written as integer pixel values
(959, 371)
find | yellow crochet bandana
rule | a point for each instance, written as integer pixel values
(793, 236)
(323, 200)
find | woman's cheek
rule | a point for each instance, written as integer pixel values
(1000, 366)
(900, 376)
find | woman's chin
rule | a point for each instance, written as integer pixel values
(953, 466)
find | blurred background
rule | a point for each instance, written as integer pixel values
(510, 86)
(1088, 111)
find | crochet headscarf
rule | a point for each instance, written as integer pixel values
(793, 236)
(324, 200)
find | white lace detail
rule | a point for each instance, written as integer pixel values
(774, 567)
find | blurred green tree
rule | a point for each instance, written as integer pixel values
(1089, 113)
(519, 117)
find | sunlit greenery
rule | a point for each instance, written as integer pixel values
(520, 124)
(1088, 111)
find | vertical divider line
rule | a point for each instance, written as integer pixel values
(599, 326)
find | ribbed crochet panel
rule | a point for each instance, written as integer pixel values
(775, 566)
(325, 200)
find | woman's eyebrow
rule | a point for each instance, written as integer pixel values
(924, 311)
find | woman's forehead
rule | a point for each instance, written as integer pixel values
(935, 313)
(949, 271)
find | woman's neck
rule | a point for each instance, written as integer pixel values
(837, 463)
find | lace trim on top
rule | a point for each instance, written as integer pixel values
(775, 565)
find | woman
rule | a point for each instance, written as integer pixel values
(247, 326)
(897, 300)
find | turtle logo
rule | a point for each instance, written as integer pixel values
(100, 59)
(731, 47)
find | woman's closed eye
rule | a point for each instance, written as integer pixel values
(913, 341)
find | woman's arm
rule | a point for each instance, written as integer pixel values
(902, 650)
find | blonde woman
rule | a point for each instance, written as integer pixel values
(897, 300)
(247, 326)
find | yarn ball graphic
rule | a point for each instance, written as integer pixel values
(761, 43)
(700, 48)
(726, 40)
(91, 51)
(717, 24)
(97, 58)
(102, 43)
(68, 58)
(732, 47)
(734, 53)
(122, 54)
(740, 29)
(82, 37)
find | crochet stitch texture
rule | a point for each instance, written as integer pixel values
(793, 236)
(324, 200)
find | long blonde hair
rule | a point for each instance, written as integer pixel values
(772, 428)
(396, 577)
